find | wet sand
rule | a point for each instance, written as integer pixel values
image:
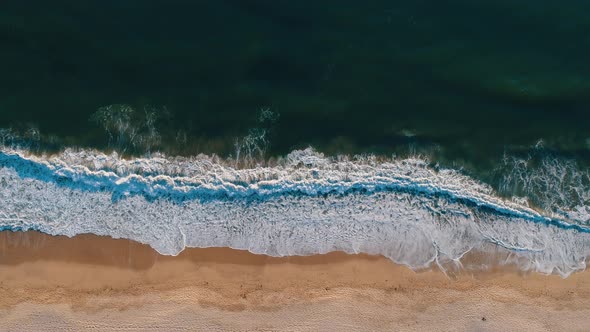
(98, 283)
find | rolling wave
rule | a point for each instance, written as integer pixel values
(304, 204)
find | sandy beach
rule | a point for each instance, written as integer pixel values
(98, 283)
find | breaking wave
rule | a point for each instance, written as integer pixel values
(305, 203)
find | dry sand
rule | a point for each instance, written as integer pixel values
(97, 283)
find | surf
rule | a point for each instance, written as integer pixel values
(304, 203)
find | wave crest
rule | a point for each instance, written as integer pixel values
(304, 204)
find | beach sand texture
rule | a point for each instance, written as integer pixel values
(99, 283)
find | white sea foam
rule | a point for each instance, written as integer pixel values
(305, 204)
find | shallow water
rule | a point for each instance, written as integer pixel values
(305, 204)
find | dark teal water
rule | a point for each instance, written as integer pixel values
(474, 78)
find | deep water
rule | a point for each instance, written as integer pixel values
(470, 78)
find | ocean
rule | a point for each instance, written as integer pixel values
(416, 130)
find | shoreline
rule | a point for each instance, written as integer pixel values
(88, 276)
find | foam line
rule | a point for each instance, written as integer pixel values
(306, 204)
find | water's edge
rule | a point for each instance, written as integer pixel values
(306, 204)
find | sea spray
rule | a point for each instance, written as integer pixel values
(304, 204)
